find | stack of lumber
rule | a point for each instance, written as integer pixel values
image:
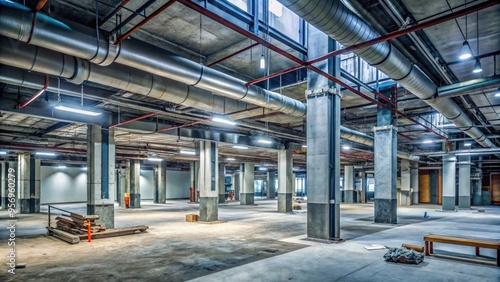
(77, 224)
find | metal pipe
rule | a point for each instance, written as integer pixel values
(80, 41)
(144, 21)
(469, 152)
(338, 22)
(463, 88)
(37, 94)
(134, 119)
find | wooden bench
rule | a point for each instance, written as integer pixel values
(430, 239)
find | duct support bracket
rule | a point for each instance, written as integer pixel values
(321, 91)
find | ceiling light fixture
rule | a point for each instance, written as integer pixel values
(304, 146)
(230, 159)
(262, 62)
(240, 147)
(61, 166)
(77, 110)
(44, 154)
(3, 153)
(84, 168)
(467, 144)
(497, 94)
(346, 147)
(188, 152)
(155, 159)
(262, 168)
(223, 120)
(477, 67)
(427, 141)
(465, 51)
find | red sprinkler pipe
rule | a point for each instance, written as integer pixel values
(134, 119)
(37, 94)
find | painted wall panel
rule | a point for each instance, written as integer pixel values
(62, 185)
(178, 184)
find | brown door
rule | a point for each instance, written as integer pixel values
(495, 188)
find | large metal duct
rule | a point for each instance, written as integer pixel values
(34, 58)
(338, 22)
(16, 22)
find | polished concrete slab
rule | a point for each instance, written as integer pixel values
(256, 244)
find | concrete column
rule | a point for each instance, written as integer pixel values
(449, 171)
(477, 183)
(159, 174)
(101, 174)
(208, 178)
(222, 183)
(237, 185)
(414, 181)
(405, 183)
(3, 192)
(247, 196)
(135, 184)
(285, 180)
(349, 184)
(5, 177)
(123, 185)
(464, 179)
(28, 173)
(271, 185)
(323, 143)
(197, 181)
(362, 176)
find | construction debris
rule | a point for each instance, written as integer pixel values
(77, 224)
(404, 255)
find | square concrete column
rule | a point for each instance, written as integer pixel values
(362, 176)
(208, 181)
(123, 185)
(159, 175)
(101, 174)
(5, 183)
(285, 180)
(271, 185)
(247, 195)
(222, 183)
(349, 184)
(29, 183)
(449, 184)
(237, 185)
(3, 178)
(135, 184)
(464, 180)
(323, 143)
(385, 174)
(197, 181)
(405, 199)
(477, 183)
(414, 181)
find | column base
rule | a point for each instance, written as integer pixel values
(135, 201)
(209, 210)
(448, 203)
(464, 202)
(476, 200)
(319, 221)
(5, 202)
(349, 196)
(222, 198)
(386, 211)
(247, 198)
(416, 200)
(35, 205)
(405, 198)
(106, 214)
(285, 202)
(24, 206)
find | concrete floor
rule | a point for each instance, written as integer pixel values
(256, 244)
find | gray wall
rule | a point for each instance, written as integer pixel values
(70, 185)
(178, 184)
(60, 185)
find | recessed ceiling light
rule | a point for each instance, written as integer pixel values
(240, 147)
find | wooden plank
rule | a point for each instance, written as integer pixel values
(117, 232)
(462, 241)
(424, 188)
(65, 236)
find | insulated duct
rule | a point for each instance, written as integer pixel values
(16, 22)
(338, 22)
(34, 58)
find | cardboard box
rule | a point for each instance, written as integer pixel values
(191, 217)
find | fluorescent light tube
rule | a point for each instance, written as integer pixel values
(222, 120)
(240, 147)
(186, 152)
(265, 141)
(78, 111)
(230, 159)
(3, 153)
(154, 159)
(44, 154)
(427, 141)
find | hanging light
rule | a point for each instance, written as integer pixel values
(465, 52)
(78, 110)
(477, 67)
(262, 62)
